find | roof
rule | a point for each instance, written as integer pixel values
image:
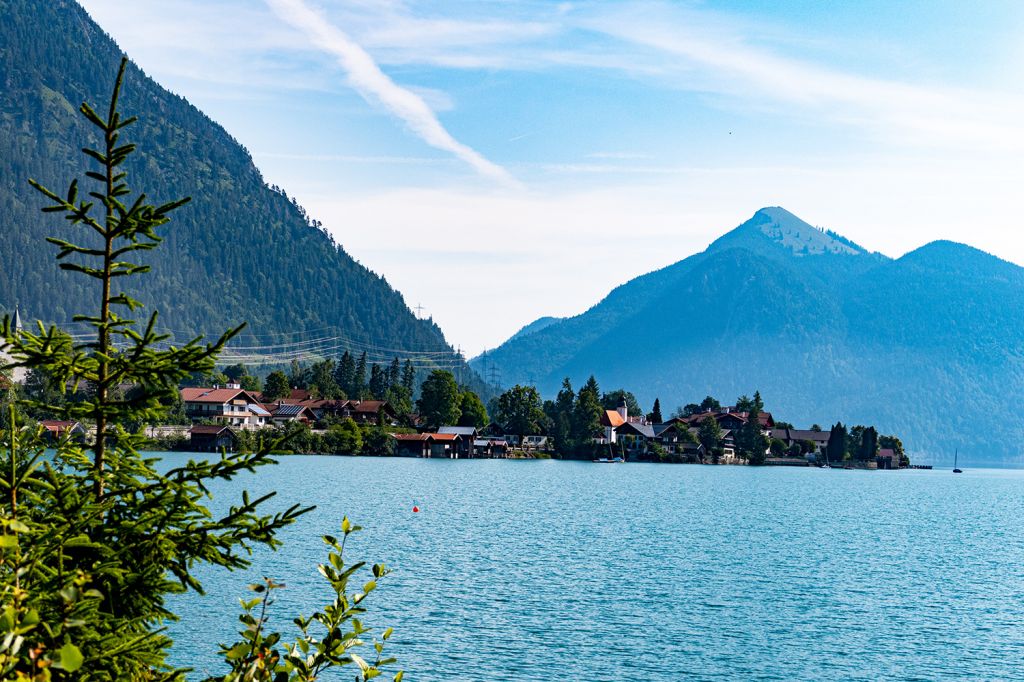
(800, 434)
(259, 410)
(288, 410)
(645, 430)
(444, 436)
(370, 406)
(58, 426)
(612, 418)
(461, 430)
(209, 430)
(411, 436)
(887, 452)
(213, 395)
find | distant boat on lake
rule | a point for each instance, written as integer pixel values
(955, 470)
(607, 460)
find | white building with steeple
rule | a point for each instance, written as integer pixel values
(18, 374)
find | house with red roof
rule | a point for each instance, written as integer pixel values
(446, 445)
(59, 430)
(230, 405)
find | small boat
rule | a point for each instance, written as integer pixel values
(612, 460)
(955, 470)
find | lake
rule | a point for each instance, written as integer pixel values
(545, 570)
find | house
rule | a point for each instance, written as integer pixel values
(632, 438)
(372, 412)
(811, 442)
(466, 434)
(57, 430)
(412, 444)
(611, 420)
(446, 445)
(360, 411)
(490, 448)
(212, 438)
(887, 459)
(284, 413)
(230, 406)
(729, 418)
(538, 443)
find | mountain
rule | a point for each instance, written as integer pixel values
(928, 346)
(535, 326)
(241, 251)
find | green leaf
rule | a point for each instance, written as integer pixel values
(8, 541)
(71, 658)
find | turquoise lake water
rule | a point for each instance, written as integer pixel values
(546, 570)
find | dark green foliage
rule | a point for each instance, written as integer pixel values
(321, 380)
(240, 251)
(359, 379)
(560, 416)
(655, 416)
(750, 441)
(345, 374)
(473, 411)
(709, 433)
(610, 401)
(344, 438)
(96, 538)
(409, 377)
(586, 418)
(520, 411)
(276, 386)
(379, 383)
(891, 443)
(836, 449)
(867, 448)
(913, 345)
(440, 399)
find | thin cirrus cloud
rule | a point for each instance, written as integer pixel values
(368, 80)
(702, 51)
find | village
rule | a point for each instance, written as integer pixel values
(449, 421)
(707, 435)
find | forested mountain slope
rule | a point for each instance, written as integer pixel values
(241, 251)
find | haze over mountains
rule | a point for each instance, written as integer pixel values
(929, 346)
(240, 251)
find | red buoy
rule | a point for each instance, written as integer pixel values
(415, 509)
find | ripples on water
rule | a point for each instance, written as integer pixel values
(543, 570)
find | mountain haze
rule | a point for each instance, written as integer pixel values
(928, 346)
(240, 251)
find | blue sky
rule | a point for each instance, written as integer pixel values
(500, 161)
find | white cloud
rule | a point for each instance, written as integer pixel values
(374, 85)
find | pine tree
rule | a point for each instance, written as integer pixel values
(586, 423)
(378, 382)
(103, 537)
(655, 416)
(394, 373)
(359, 379)
(345, 374)
(409, 377)
(836, 451)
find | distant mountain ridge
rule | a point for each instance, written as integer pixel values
(240, 251)
(928, 346)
